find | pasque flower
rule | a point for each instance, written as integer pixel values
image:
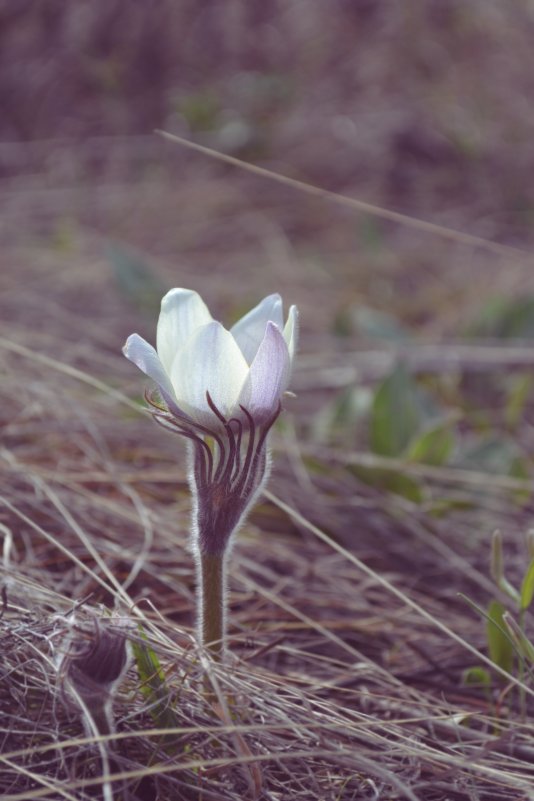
(247, 366)
(221, 390)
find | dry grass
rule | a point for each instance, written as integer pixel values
(348, 637)
(349, 634)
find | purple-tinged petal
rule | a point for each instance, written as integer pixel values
(249, 331)
(268, 375)
(209, 362)
(144, 356)
(182, 312)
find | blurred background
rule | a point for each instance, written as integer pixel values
(423, 108)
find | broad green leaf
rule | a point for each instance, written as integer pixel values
(501, 456)
(433, 446)
(389, 480)
(493, 454)
(398, 413)
(500, 647)
(527, 587)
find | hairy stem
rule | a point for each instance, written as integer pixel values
(212, 601)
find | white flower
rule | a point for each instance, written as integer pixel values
(249, 366)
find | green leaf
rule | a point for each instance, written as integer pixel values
(389, 480)
(397, 413)
(506, 318)
(520, 468)
(520, 389)
(371, 233)
(476, 677)
(340, 417)
(154, 687)
(201, 110)
(374, 324)
(441, 507)
(433, 446)
(527, 587)
(497, 568)
(521, 641)
(508, 589)
(498, 455)
(500, 647)
(501, 456)
(136, 280)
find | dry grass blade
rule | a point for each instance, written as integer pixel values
(358, 205)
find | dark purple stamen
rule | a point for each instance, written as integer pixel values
(223, 480)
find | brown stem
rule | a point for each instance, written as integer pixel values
(212, 618)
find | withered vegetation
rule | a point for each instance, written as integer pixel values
(348, 636)
(358, 587)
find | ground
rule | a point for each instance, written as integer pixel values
(361, 664)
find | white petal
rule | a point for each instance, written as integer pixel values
(291, 331)
(145, 357)
(182, 312)
(268, 375)
(210, 362)
(249, 331)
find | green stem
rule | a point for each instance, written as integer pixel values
(521, 672)
(212, 600)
